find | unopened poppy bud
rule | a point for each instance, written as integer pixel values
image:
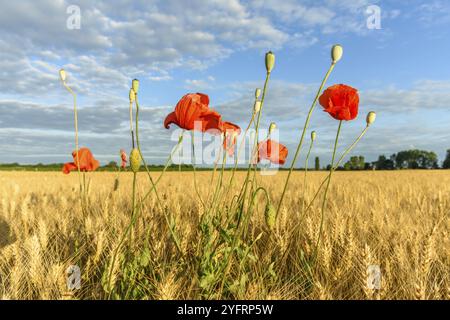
(257, 93)
(336, 53)
(313, 135)
(270, 61)
(132, 95)
(270, 215)
(135, 160)
(371, 116)
(257, 106)
(62, 75)
(272, 127)
(135, 85)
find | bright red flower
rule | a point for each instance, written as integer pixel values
(231, 131)
(340, 101)
(123, 157)
(86, 160)
(273, 151)
(194, 107)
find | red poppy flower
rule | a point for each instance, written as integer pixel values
(123, 157)
(86, 160)
(273, 151)
(231, 131)
(192, 108)
(340, 101)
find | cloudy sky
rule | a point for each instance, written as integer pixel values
(217, 47)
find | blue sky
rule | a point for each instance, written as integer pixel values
(217, 47)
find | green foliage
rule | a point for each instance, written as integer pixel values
(317, 164)
(355, 163)
(446, 164)
(416, 159)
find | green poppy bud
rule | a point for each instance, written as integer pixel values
(257, 93)
(270, 61)
(135, 85)
(62, 75)
(371, 116)
(336, 53)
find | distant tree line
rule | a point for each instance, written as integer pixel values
(408, 159)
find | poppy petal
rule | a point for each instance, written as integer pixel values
(171, 118)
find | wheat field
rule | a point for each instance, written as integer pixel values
(398, 220)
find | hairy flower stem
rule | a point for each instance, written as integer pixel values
(172, 232)
(253, 153)
(239, 152)
(75, 115)
(350, 148)
(136, 216)
(213, 174)
(305, 127)
(194, 170)
(133, 210)
(304, 177)
(244, 189)
(180, 137)
(324, 201)
(131, 124)
(219, 184)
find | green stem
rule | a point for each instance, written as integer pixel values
(299, 146)
(304, 177)
(233, 171)
(174, 237)
(350, 148)
(326, 191)
(254, 151)
(131, 124)
(194, 170)
(133, 203)
(75, 113)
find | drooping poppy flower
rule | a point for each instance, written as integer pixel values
(340, 101)
(123, 158)
(273, 151)
(192, 108)
(231, 131)
(87, 162)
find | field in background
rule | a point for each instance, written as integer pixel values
(398, 220)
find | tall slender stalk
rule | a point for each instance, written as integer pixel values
(131, 124)
(245, 187)
(254, 149)
(75, 114)
(306, 170)
(194, 169)
(174, 236)
(305, 127)
(350, 148)
(326, 191)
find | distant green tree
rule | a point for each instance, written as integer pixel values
(416, 159)
(112, 164)
(317, 164)
(446, 164)
(384, 163)
(355, 163)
